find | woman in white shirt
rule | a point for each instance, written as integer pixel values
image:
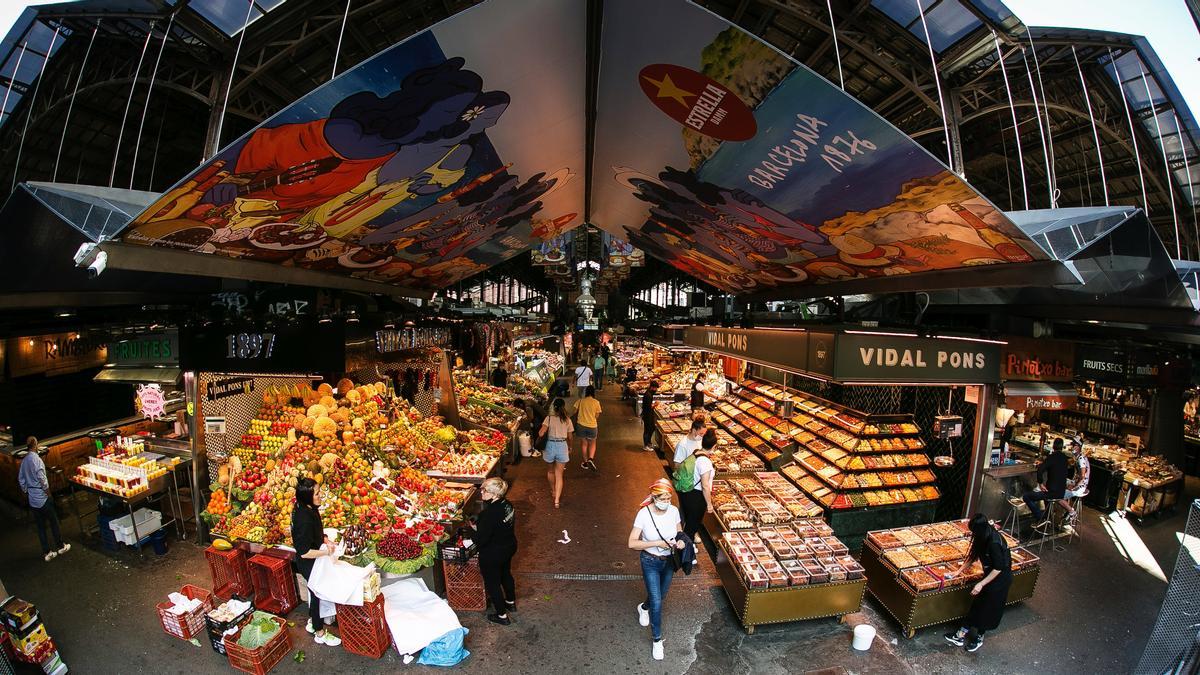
(560, 429)
(654, 534)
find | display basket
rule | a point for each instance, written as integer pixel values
(364, 629)
(259, 661)
(230, 574)
(458, 554)
(274, 584)
(216, 629)
(186, 626)
(464, 585)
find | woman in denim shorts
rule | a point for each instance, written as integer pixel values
(559, 429)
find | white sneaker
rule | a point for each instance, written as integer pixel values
(657, 650)
(643, 613)
(308, 626)
(52, 555)
(64, 549)
(327, 639)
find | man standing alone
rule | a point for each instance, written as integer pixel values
(36, 487)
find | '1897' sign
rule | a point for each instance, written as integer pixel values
(249, 345)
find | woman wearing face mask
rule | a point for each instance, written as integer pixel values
(310, 542)
(654, 534)
(497, 544)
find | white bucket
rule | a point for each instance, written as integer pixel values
(863, 636)
(525, 443)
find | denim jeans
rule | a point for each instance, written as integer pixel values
(1035, 499)
(657, 573)
(46, 515)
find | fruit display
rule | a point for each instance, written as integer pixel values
(369, 468)
(803, 552)
(471, 386)
(925, 557)
(466, 466)
(762, 499)
(486, 415)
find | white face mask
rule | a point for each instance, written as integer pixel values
(662, 505)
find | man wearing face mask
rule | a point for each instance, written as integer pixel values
(497, 544)
(655, 532)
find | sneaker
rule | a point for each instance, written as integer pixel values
(328, 639)
(657, 650)
(592, 465)
(50, 556)
(643, 614)
(64, 549)
(974, 645)
(510, 605)
(1072, 518)
(958, 638)
(583, 465)
(496, 618)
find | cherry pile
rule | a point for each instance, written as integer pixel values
(398, 546)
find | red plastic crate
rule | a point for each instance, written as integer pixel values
(464, 585)
(274, 584)
(364, 629)
(230, 574)
(186, 626)
(259, 661)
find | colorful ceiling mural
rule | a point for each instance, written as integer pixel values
(464, 146)
(428, 163)
(741, 167)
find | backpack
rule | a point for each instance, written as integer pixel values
(684, 476)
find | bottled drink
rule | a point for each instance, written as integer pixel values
(1000, 242)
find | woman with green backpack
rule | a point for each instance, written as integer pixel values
(693, 481)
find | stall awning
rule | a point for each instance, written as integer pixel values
(1039, 396)
(139, 375)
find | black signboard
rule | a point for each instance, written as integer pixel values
(786, 349)
(882, 357)
(315, 348)
(146, 350)
(1101, 364)
(820, 353)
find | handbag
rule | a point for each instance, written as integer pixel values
(676, 554)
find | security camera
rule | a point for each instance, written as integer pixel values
(97, 266)
(85, 253)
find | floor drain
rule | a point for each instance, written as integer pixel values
(618, 565)
(585, 577)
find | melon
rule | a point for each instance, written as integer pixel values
(325, 428)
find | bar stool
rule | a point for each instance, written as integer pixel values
(1012, 521)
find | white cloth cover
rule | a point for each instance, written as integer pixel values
(415, 615)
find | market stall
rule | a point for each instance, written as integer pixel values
(777, 560)
(909, 570)
(822, 409)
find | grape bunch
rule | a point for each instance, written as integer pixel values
(355, 539)
(398, 546)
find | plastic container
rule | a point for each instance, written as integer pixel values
(364, 629)
(216, 629)
(464, 585)
(148, 521)
(230, 573)
(159, 540)
(525, 443)
(259, 661)
(186, 626)
(864, 635)
(274, 584)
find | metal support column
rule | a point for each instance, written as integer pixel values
(953, 123)
(981, 457)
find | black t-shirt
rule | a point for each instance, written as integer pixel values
(307, 534)
(494, 527)
(1052, 473)
(648, 406)
(995, 555)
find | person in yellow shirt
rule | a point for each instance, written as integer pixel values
(588, 410)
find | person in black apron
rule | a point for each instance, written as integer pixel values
(991, 592)
(697, 394)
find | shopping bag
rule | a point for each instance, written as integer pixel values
(447, 650)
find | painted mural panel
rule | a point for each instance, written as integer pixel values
(735, 164)
(435, 159)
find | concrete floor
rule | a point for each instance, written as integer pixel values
(1092, 611)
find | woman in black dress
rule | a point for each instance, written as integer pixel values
(991, 592)
(497, 544)
(308, 538)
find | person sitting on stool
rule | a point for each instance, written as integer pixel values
(1078, 486)
(1052, 484)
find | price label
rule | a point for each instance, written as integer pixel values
(249, 345)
